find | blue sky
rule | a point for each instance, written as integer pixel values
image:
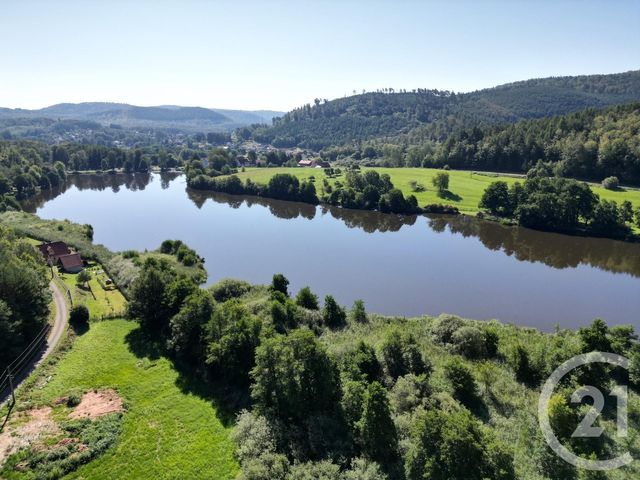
(281, 54)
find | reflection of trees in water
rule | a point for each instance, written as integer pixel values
(555, 250)
(370, 221)
(100, 182)
(278, 208)
(366, 220)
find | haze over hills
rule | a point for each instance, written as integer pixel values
(419, 115)
(166, 116)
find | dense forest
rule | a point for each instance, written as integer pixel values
(325, 392)
(433, 115)
(24, 297)
(591, 144)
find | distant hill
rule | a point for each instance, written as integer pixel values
(125, 115)
(414, 116)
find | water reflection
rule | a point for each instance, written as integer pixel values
(555, 250)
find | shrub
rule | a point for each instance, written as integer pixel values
(358, 312)
(229, 288)
(79, 315)
(470, 342)
(444, 328)
(440, 208)
(462, 382)
(611, 183)
(307, 299)
(409, 392)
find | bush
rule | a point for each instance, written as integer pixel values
(307, 299)
(462, 382)
(470, 342)
(229, 288)
(440, 208)
(611, 183)
(444, 328)
(79, 315)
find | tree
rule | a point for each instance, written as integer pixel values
(378, 434)
(233, 336)
(148, 302)
(401, 355)
(83, 278)
(607, 220)
(294, 378)
(453, 446)
(362, 363)
(280, 284)
(24, 295)
(333, 314)
(611, 183)
(307, 299)
(441, 182)
(626, 211)
(462, 382)
(496, 199)
(358, 312)
(79, 316)
(186, 327)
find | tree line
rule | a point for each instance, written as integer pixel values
(370, 411)
(24, 295)
(548, 202)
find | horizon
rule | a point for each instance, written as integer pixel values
(278, 56)
(353, 93)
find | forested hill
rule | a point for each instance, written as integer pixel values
(592, 144)
(422, 114)
(125, 115)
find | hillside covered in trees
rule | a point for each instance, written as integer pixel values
(433, 114)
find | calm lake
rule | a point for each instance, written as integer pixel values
(397, 265)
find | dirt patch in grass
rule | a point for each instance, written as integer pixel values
(97, 403)
(27, 429)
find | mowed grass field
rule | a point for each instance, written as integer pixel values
(466, 187)
(167, 434)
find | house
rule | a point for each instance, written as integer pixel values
(307, 163)
(322, 164)
(52, 251)
(71, 263)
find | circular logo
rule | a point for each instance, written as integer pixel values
(585, 429)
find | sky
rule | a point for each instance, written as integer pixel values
(278, 55)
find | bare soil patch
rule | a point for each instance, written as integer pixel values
(97, 403)
(29, 429)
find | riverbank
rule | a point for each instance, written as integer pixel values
(465, 187)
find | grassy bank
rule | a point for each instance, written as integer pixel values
(101, 299)
(466, 188)
(166, 432)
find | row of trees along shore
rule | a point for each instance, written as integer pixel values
(547, 202)
(383, 411)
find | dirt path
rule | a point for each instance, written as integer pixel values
(55, 334)
(59, 323)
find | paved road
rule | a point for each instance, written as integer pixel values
(55, 335)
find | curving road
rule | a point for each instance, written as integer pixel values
(59, 323)
(55, 334)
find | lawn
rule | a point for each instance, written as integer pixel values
(101, 299)
(166, 433)
(465, 187)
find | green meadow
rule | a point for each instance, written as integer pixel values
(465, 187)
(167, 432)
